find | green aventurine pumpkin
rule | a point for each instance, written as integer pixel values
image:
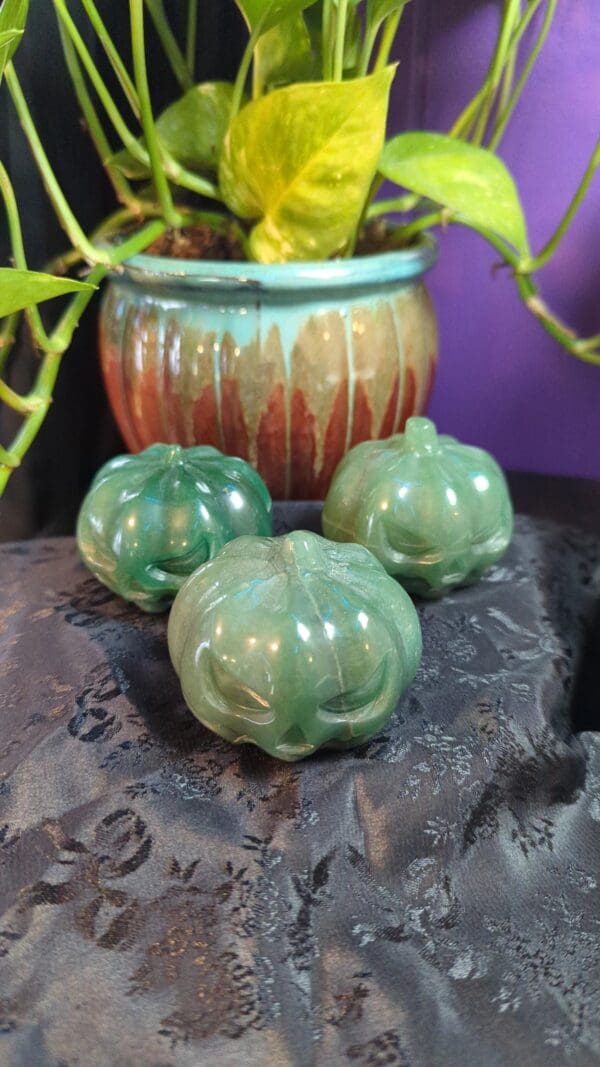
(435, 512)
(293, 643)
(150, 520)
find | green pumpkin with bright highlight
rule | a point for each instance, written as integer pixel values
(149, 520)
(435, 512)
(293, 644)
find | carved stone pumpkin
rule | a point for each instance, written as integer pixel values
(435, 512)
(150, 520)
(293, 643)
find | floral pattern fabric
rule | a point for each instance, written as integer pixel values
(169, 900)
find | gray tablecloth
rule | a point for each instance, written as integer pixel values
(167, 900)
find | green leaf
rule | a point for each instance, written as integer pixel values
(270, 12)
(23, 288)
(284, 54)
(301, 161)
(191, 130)
(471, 182)
(13, 16)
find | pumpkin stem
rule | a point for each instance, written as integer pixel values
(421, 435)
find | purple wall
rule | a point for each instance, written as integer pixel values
(503, 383)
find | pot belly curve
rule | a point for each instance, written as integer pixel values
(290, 387)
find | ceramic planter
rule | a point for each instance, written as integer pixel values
(286, 366)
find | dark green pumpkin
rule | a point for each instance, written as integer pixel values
(151, 519)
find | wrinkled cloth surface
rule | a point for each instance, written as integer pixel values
(169, 900)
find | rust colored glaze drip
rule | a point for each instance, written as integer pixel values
(113, 381)
(362, 422)
(235, 433)
(335, 440)
(303, 447)
(206, 427)
(270, 443)
(146, 391)
(389, 419)
(408, 406)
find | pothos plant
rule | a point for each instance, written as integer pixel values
(290, 157)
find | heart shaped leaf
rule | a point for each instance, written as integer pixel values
(471, 182)
(23, 288)
(301, 161)
(191, 130)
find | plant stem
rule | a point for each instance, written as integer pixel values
(424, 222)
(40, 397)
(327, 39)
(340, 40)
(387, 39)
(138, 242)
(367, 48)
(396, 205)
(8, 329)
(178, 174)
(112, 111)
(590, 343)
(465, 120)
(8, 460)
(18, 252)
(22, 404)
(510, 18)
(109, 227)
(187, 180)
(167, 38)
(463, 123)
(550, 247)
(244, 67)
(508, 74)
(159, 178)
(506, 114)
(113, 55)
(585, 350)
(59, 202)
(581, 348)
(192, 36)
(118, 181)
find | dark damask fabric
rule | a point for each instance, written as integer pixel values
(168, 900)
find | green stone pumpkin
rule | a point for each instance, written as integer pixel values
(435, 512)
(151, 519)
(293, 643)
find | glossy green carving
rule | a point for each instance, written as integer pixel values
(150, 520)
(293, 643)
(435, 512)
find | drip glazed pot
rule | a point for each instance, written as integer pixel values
(286, 366)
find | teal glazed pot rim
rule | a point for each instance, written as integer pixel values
(362, 272)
